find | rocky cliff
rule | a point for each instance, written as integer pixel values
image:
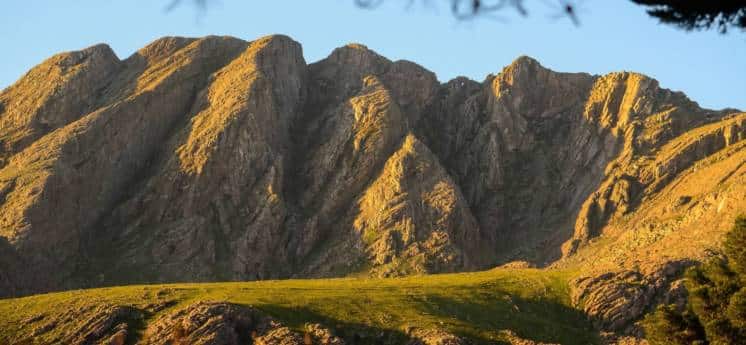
(222, 159)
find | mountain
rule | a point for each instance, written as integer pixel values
(218, 159)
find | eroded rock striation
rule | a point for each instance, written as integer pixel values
(204, 323)
(222, 159)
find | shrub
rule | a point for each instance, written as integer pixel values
(715, 312)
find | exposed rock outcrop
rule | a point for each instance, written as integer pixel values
(321, 335)
(616, 299)
(434, 337)
(203, 323)
(93, 324)
(216, 323)
(514, 339)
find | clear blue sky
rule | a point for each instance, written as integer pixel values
(615, 35)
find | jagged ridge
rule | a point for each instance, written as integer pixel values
(221, 159)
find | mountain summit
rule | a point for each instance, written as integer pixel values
(222, 159)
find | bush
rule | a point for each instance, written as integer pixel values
(715, 312)
(735, 246)
(669, 326)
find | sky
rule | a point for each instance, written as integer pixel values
(614, 35)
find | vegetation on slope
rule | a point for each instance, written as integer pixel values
(715, 312)
(533, 304)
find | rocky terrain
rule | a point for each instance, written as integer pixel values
(207, 323)
(217, 159)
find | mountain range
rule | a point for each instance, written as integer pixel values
(219, 159)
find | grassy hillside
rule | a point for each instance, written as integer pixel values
(534, 304)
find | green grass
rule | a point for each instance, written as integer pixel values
(533, 303)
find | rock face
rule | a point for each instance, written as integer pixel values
(223, 159)
(218, 324)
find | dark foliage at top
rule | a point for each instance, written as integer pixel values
(697, 15)
(687, 14)
(470, 9)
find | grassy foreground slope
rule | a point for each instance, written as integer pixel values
(534, 304)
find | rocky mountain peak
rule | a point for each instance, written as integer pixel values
(356, 58)
(523, 62)
(163, 47)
